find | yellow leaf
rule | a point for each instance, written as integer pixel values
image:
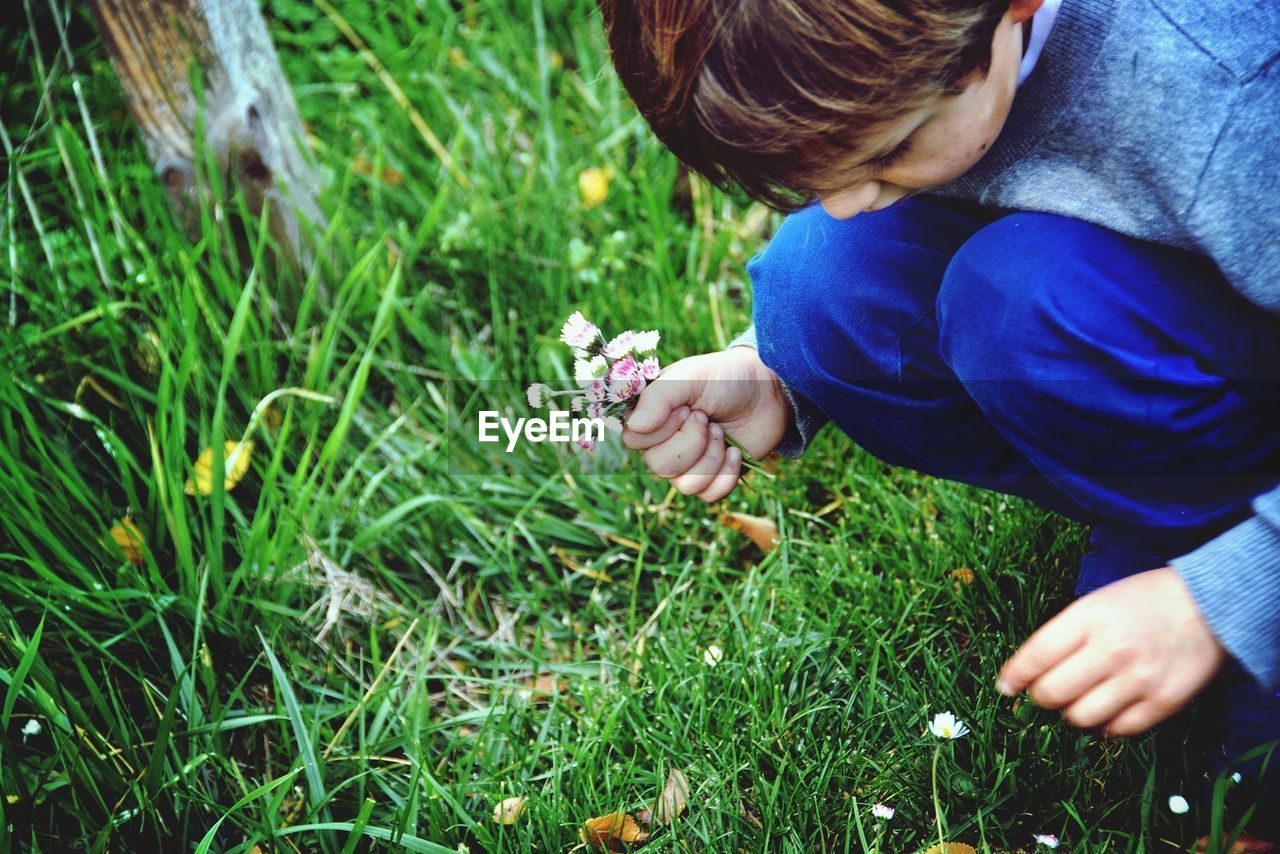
(128, 539)
(951, 848)
(761, 531)
(612, 832)
(508, 810)
(622, 541)
(674, 798)
(593, 184)
(235, 458)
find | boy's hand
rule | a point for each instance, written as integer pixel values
(683, 417)
(1124, 657)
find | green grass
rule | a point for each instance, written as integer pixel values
(336, 654)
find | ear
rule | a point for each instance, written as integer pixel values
(1022, 10)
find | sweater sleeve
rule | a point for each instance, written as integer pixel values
(1235, 217)
(806, 419)
(1235, 580)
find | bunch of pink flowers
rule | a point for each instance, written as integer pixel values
(610, 373)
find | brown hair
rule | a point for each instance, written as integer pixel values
(777, 96)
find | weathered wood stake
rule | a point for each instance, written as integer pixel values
(251, 122)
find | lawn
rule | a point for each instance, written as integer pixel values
(385, 628)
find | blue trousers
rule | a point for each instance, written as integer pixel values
(1122, 383)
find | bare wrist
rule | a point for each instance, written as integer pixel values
(773, 407)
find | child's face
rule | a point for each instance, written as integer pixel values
(942, 140)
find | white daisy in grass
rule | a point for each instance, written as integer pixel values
(580, 333)
(1178, 804)
(538, 394)
(645, 342)
(945, 725)
(883, 811)
(1048, 840)
(587, 371)
(32, 728)
(620, 345)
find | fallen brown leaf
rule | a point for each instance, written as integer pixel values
(1243, 845)
(674, 798)
(543, 687)
(508, 810)
(361, 166)
(962, 575)
(761, 531)
(612, 832)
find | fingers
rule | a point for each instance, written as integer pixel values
(657, 402)
(1055, 640)
(682, 451)
(700, 475)
(662, 432)
(1068, 681)
(1137, 718)
(1103, 702)
(726, 479)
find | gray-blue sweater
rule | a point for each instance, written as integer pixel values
(1161, 119)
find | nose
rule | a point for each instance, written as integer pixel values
(853, 201)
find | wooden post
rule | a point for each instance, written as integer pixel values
(251, 122)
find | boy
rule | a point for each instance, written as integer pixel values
(1072, 295)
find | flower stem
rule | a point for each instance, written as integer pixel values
(937, 804)
(748, 462)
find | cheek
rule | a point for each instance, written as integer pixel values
(956, 152)
(971, 142)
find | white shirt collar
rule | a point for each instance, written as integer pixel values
(1041, 22)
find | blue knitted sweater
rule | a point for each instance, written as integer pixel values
(1160, 119)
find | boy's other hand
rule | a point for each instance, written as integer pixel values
(683, 417)
(1124, 657)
